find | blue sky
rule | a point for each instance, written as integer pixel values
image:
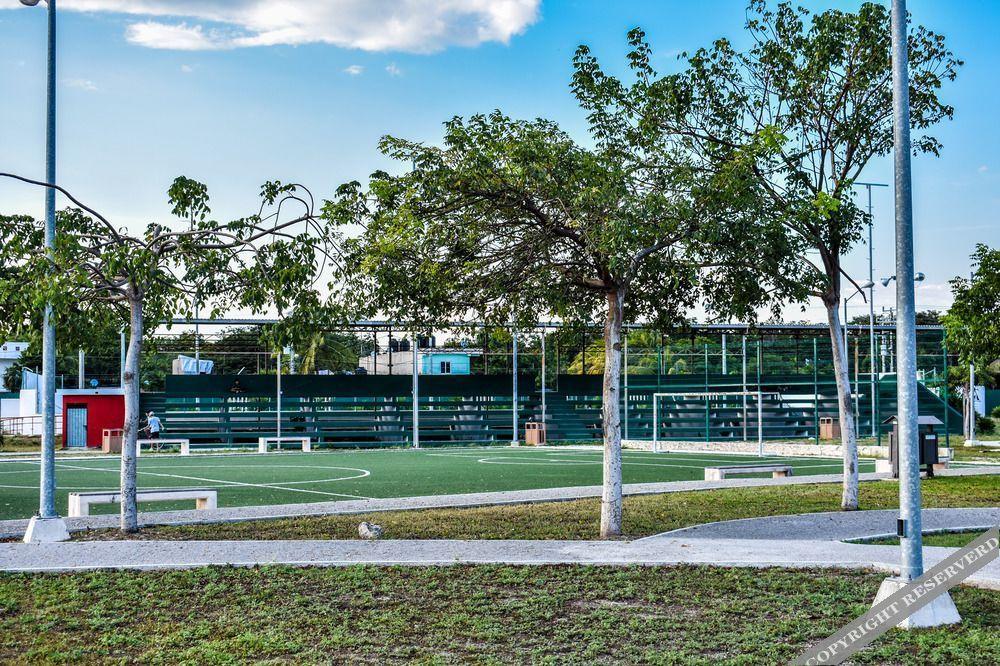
(145, 95)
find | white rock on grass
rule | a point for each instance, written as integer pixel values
(368, 530)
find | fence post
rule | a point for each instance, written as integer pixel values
(744, 355)
(947, 407)
(625, 376)
(816, 390)
(544, 426)
(707, 398)
(278, 396)
(513, 437)
(416, 394)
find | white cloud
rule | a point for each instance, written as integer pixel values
(354, 70)
(983, 169)
(187, 69)
(82, 84)
(419, 26)
(393, 70)
(179, 37)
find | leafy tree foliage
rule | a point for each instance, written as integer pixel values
(97, 271)
(785, 127)
(512, 220)
(972, 325)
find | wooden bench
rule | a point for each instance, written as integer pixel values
(722, 471)
(79, 503)
(185, 445)
(262, 443)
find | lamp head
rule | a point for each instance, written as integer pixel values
(868, 284)
(29, 3)
(886, 280)
(918, 277)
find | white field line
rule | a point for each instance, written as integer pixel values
(224, 483)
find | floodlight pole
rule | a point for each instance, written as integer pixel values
(121, 358)
(972, 406)
(47, 525)
(544, 426)
(912, 565)
(871, 302)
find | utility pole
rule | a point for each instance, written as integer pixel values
(941, 610)
(47, 526)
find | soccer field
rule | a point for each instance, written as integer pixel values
(284, 478)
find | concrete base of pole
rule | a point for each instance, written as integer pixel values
(972, 442)
(941, 611)
(46, 530)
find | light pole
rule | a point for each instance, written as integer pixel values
(47, 525)
(871, 302)
(941, 610)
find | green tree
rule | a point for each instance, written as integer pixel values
(512, 220)
(972, 325)
(267, 259)
(793, 120)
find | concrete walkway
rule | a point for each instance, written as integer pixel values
(836, 525)
(158, 555)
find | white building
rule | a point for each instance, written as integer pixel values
(10, 353)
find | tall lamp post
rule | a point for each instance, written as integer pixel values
(47, 526)
(871, 302)
(941, 610)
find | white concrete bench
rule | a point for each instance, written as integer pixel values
(262, 443)
(204, 498)
(721, 472)
(185, 445)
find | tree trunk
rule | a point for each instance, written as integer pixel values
(848, 433)
(611, 498)
(129, 510)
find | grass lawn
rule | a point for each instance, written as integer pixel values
(946, 539)
(579, 519)
(977, 454)
(482, 614)
(21, 444)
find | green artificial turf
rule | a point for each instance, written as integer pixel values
(579, 519)
(244, 480)
(465, 614)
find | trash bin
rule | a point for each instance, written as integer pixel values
(927, 445)
(534, 434)
(111, 440)
(829, 428)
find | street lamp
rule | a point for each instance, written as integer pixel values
(47, 525)
(917, 277)
(871, 302)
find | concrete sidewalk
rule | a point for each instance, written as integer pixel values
(836, 525)
(161, 555)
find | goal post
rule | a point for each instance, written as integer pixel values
(707, 397)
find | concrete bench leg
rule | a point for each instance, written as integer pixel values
(781, 474)
(185, 448)
(714, 475)
(205, 503)
(78, 507)
(307, 445)
(261, 446)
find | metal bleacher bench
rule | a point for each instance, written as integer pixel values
(79, 503)
(721, 472)
(262, 442)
